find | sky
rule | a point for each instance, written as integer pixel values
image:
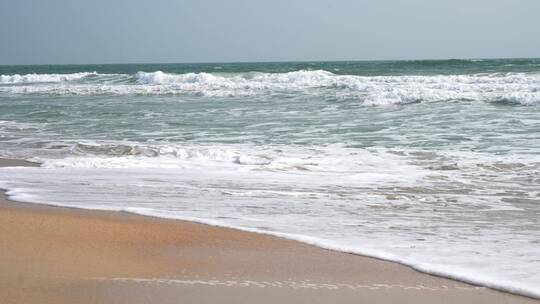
(170, 31)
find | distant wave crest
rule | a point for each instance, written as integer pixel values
(43, 78)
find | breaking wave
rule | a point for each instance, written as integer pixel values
(43, 78)
(511, 88)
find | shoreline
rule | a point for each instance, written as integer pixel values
(196, 262)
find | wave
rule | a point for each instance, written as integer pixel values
(43, 78)
(334, 158)
(240, 84)
(514, 88)
(517, 98)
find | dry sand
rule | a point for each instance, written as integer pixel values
(62, 255)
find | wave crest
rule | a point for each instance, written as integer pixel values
(43, 78)
(514, 88)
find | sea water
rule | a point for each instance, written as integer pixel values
(433, 164)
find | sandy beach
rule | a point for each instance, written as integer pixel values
(63, 255)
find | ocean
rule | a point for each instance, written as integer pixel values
(433, 164)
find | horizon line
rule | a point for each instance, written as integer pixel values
(280, 61)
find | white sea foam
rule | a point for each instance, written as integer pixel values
(519, 88)
(363, 165)
(43, 78)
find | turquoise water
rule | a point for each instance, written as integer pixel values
(434, 164)
(360, 68)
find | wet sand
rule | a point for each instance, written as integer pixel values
(63, 255)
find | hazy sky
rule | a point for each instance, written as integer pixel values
(130, 31)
